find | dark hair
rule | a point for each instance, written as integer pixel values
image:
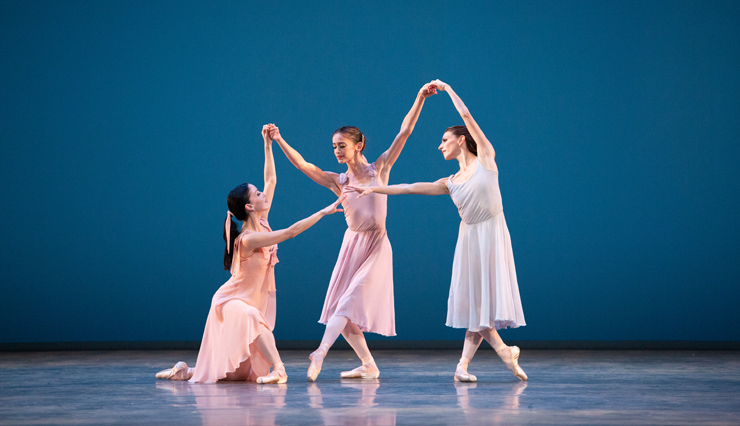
(352, 133)
(236, 200)
(469, 141)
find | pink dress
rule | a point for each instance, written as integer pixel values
(240, 310)
(361, 286)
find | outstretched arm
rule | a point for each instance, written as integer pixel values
(423, 188)
(485, 149)
(326, 179)
(388, 158)
(255, 240)
(270, 175)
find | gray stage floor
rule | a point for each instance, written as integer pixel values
(415, 387)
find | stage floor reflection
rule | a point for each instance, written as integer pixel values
(415, 387)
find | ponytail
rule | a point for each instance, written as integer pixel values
(230, 234)
(237, 199)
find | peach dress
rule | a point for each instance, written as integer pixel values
(361, 286)
(241, 309)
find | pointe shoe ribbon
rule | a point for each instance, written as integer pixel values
(179, 372)
(510, 356)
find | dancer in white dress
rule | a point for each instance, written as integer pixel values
(484, 294)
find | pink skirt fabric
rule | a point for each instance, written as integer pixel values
(361, 286)
(227, 351)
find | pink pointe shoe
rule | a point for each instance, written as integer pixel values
(317, 359)
(277, 375)
(510, 356)
(461, 373)
(368, 370)
(179, 372)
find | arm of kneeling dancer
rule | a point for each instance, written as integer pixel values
(255, 240)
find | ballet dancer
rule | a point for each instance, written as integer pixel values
(238, 343)
(360, 294)
(484, 294)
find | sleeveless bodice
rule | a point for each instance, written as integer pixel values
(367, 213)
(479, 198)
(252, 277)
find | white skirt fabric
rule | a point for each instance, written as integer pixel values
(484, 292)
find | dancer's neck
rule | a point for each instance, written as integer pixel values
(252, 222)
(466, 160)
(357, 165)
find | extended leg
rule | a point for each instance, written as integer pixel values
(368, 370)
(472, 342)
(334, 328)
(508, 354)
(266, 344)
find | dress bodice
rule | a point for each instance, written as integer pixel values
(252, 275)
(367, 213)
(479, 198)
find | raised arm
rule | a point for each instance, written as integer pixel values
(255, 240)
(326, 179)
(422, 188)
(270, 175)
(485, 149)
(389, 157)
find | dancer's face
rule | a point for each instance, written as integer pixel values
(450, 146)
(257, 200)
(344, 148)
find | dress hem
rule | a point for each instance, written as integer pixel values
(498, 325)
(233, 369)
(362, 327)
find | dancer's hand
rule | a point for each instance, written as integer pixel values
(428, 90)
(440, 85)
(332, 208)
(266, 133)
(361, 191)
(274, 132)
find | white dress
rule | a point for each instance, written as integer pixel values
(484, 291)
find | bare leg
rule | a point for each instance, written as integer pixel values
(334, 328)
(508, 354)
(472, 342)
(368, 370)
(265, 342)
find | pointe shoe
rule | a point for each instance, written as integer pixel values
(510, 356)
(462, 375)
(179, 372)
(317, 359)
(362, 372)
(276, 376)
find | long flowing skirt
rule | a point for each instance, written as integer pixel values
(361, 286)
(228, 351)
(484, 292)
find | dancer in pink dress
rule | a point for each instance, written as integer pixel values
(484, 293)
(360, 294)
(238, 343)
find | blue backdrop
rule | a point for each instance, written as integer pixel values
(125, 124)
